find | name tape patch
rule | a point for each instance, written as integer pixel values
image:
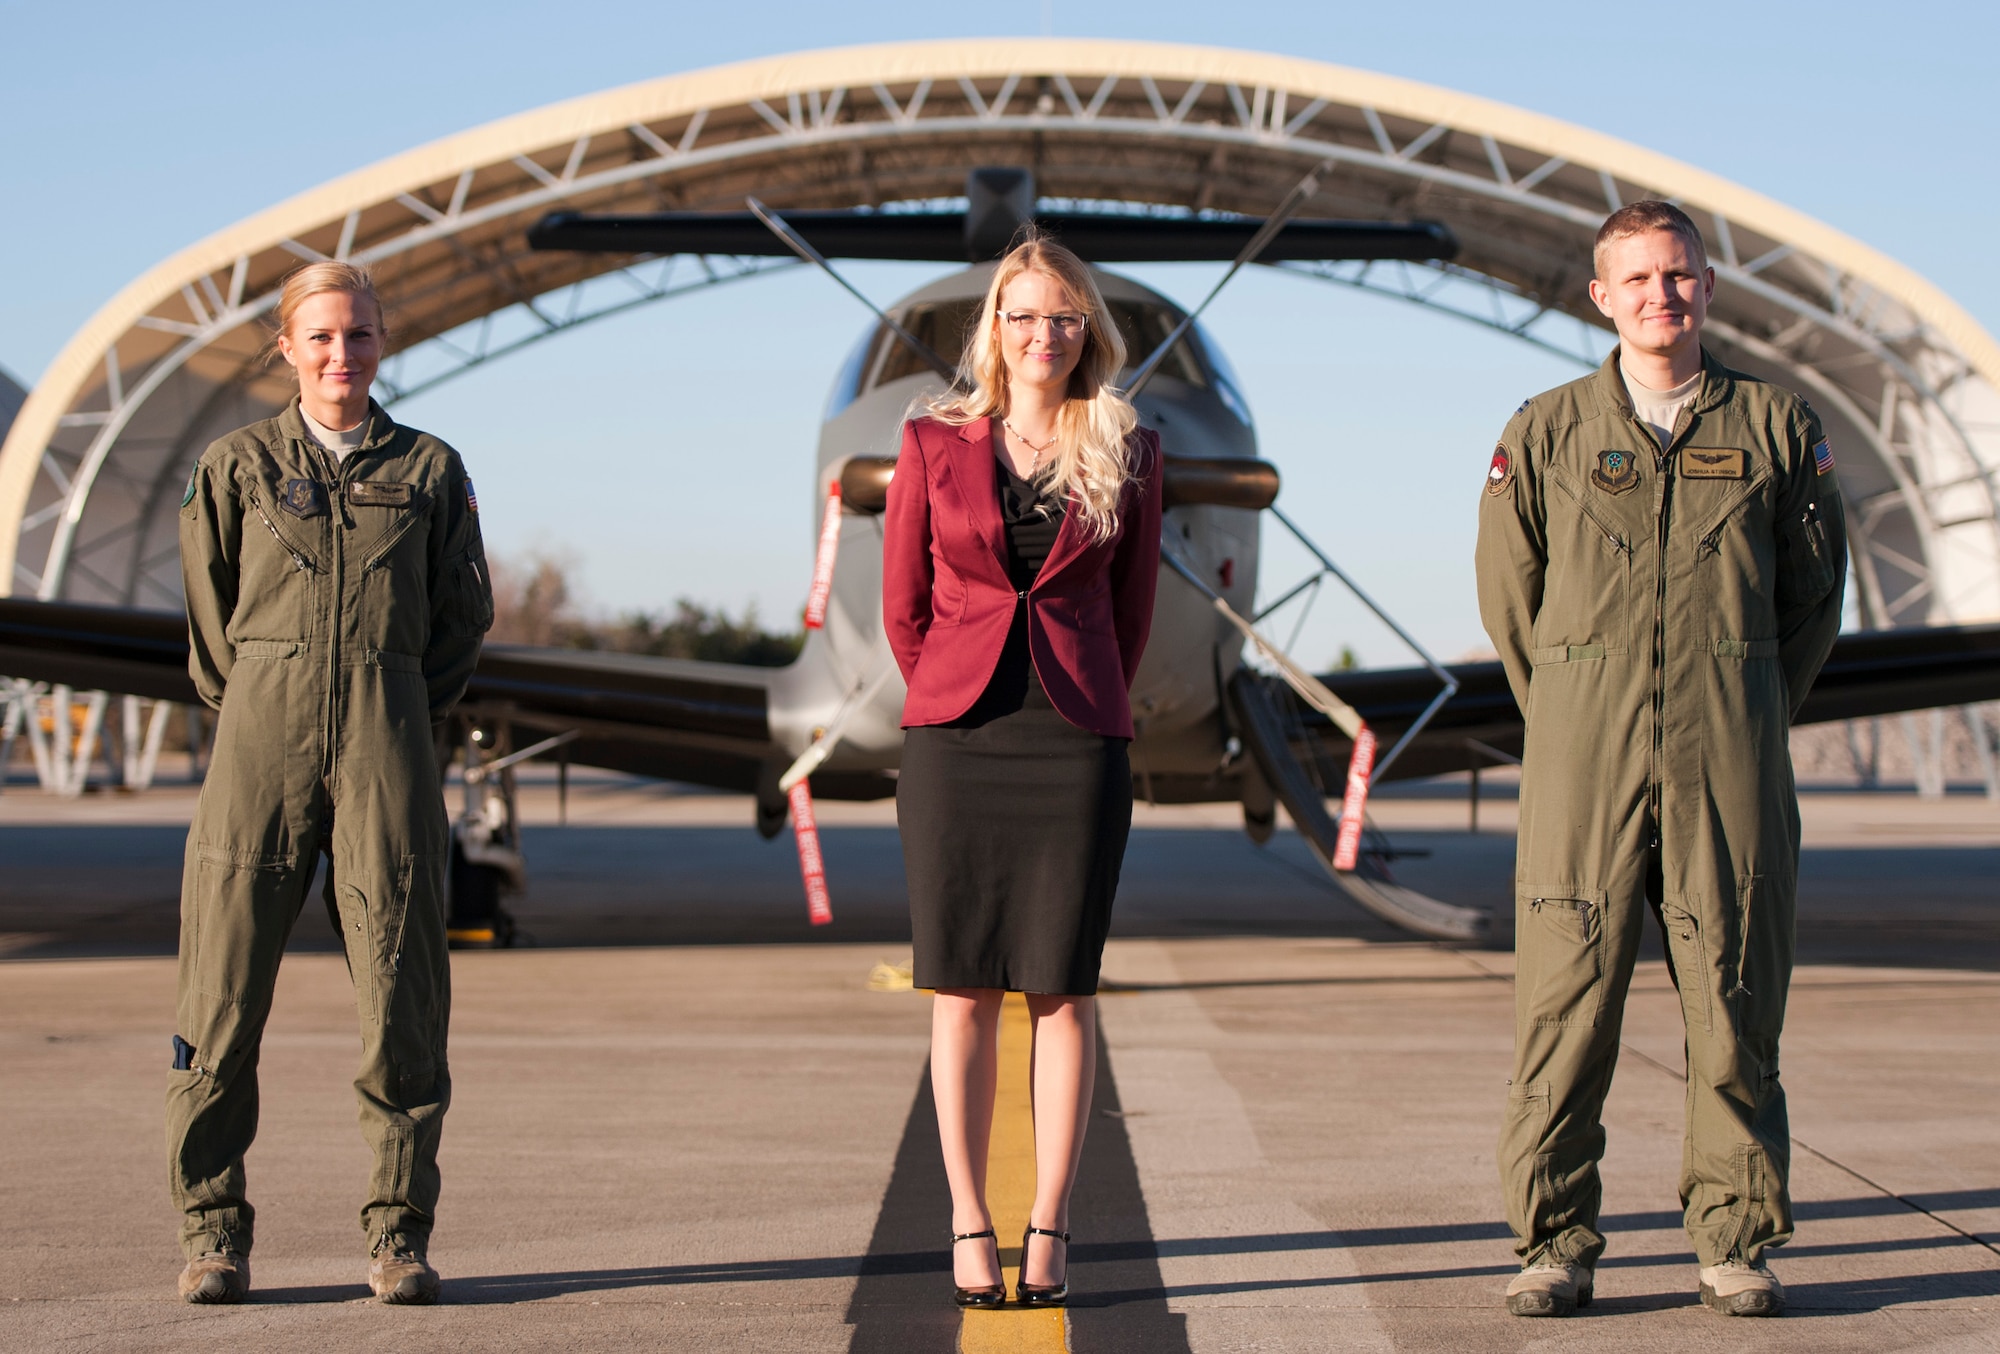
(1715, 463)
(378, 494)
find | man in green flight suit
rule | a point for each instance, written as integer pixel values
(337, 595)
(1661, 559)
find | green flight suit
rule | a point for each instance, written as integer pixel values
(335, 612)
(1661, 616)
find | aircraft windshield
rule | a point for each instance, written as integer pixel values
(945, 324)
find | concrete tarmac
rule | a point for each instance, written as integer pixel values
(685, 1121)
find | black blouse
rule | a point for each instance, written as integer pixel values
(1031, 518)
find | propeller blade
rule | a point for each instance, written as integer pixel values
(1273, 223)
(798, 245)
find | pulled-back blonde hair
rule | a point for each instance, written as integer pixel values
(1091, 464)
(324, 276)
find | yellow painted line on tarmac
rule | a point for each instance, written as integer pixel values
(1010, 1193)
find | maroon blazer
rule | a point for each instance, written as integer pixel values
(948, 603)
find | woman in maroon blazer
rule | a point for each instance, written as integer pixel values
(1020, 550)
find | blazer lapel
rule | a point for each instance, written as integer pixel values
(972, 462)
(1071, 541)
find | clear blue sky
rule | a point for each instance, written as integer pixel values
(668, 451)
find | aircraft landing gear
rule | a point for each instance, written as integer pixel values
(1287, 757)
(485, 865)
(772, 804)
(477, 921)
(486, 861)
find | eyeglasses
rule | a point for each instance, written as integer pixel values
(1065, 324)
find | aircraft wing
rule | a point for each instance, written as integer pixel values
(942, 236)
(97, 648)
(706, 723)
(675, 719)
(1879, 672)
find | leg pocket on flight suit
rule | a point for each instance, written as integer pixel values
(419, 984)
(371, 929)
(1559, 954)
(1763, 959)
(234, 927)
(1687, 950)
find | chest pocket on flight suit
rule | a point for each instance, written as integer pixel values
(1735, 562)
(1594, 608)
(385, 516)
(390, 541)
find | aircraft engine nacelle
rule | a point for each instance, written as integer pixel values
(1192, 481)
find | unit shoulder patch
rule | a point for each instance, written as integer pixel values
(193, 472)
(1616, 471)
(1499, 471)
(1715, 463)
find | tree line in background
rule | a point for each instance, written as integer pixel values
(533, 603)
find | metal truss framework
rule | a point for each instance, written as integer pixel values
(1908, 385)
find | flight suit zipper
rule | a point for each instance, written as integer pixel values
(336, 513)
(1663, 501)
(1663, 496)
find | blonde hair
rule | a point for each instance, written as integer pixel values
(1091, 464)
(324, 276)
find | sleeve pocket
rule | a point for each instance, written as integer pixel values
(468, 601)
(1805, 565)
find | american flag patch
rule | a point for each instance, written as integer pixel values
(472, 499)
(1823, 455)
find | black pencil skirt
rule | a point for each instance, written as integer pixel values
(1014, 830)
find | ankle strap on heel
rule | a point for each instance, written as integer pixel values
(957, 1237)
(1043, 1231)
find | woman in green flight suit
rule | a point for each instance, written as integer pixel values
(337, 593)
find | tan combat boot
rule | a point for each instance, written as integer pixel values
(1736, 1289)
(1549, 1288)
(399, 1274)
(216, 1277)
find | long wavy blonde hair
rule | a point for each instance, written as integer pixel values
(1091, 463)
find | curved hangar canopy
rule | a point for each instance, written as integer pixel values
(1908, 384)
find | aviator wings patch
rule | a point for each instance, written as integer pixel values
(1715, 463)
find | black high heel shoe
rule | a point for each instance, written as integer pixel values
(987, 1295)
(1042, 1294)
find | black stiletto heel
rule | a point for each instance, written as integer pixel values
(987, 1295)
(1042, 1294)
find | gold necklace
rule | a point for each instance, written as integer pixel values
(1035, 463)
